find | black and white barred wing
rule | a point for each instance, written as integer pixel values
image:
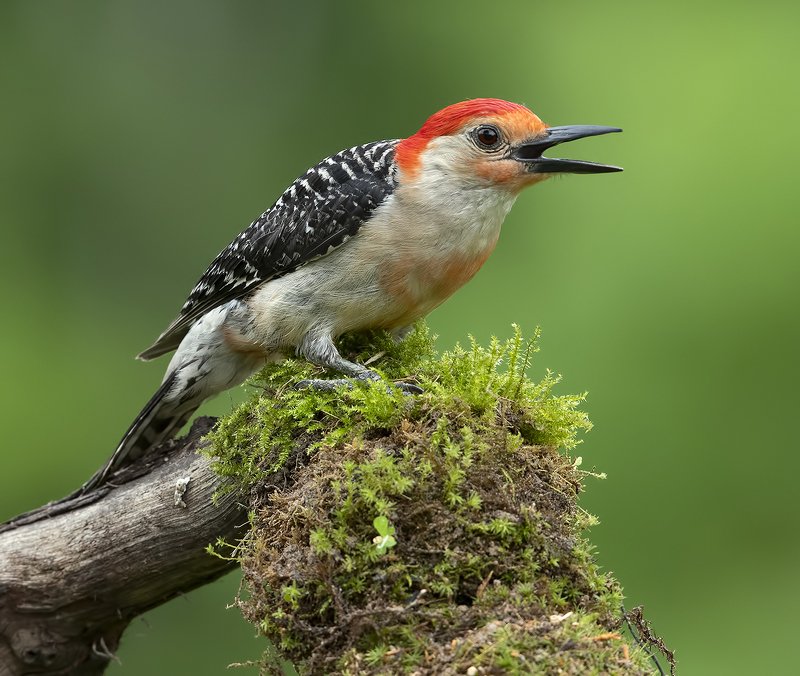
(317, 213)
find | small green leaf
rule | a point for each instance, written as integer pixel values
(382, 525)
(385, 538)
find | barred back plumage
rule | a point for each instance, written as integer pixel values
(318, 212)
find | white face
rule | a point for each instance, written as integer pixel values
(480, 155)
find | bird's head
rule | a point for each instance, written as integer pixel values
(491, 142)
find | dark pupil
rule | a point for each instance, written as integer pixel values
(487, 137)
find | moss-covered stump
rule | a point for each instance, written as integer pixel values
(431, 534)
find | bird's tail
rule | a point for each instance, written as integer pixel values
(204, 365)
(160, 419)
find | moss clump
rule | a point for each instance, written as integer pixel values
(435, 533)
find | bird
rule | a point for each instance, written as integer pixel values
(372, 237)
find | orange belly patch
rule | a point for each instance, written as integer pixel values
(417, 287)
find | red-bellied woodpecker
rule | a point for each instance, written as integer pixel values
(372, 237)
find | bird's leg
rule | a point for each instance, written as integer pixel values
(320, 350)
(399, 335)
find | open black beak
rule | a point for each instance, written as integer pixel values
(531, 151)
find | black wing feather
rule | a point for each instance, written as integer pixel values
(320, 211)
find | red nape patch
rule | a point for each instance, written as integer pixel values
(448, 120)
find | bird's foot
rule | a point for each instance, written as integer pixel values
(324, 385)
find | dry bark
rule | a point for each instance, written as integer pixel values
(74, 573)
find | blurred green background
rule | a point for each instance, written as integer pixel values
(136, 138)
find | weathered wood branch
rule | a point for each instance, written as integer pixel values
(74, 573)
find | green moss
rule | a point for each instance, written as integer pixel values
(428, 533)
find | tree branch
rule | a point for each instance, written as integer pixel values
(74, 573)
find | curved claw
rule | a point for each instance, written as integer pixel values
(409, 388)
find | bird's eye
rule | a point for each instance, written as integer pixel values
(487, 137)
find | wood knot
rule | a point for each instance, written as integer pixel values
(37, 647)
